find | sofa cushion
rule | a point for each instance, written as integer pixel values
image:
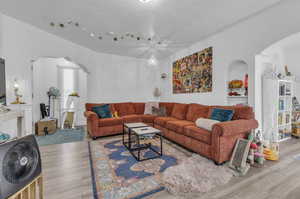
(148, 118)
(139, 107)
(110, 122)
(179, 111)
(131, 118)
(243, 113)
(198, 134)
(168, 106)
(196, 111)
(240, 112)
(178, 125)
(163, 120)
(124, 108)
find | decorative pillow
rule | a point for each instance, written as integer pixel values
(148, 107)
(4, 137)
(206, 123)
(161, 111)
(102, 111)
(221, 115)
(115, 114)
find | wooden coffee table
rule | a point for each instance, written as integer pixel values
(144, 134)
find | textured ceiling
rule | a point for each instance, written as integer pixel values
(176, 23)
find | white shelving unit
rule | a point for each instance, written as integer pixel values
(277, 109)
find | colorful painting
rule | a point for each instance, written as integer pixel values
(193, 74)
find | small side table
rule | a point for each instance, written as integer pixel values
(127, 128)
(146, 134)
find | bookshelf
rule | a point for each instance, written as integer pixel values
(277, 109)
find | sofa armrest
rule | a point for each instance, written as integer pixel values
(234, 127)
(92, 123)
(90, 115)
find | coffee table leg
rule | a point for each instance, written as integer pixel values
(161, 145)
(123, 135)
(129, 138)
(139, 151)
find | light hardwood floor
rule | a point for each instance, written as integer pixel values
(66, 173)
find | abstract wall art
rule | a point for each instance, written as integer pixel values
(193, 74)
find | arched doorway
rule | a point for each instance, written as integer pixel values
(281, 62)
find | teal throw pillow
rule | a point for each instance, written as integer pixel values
(102, 111)
(4, 137)
(222, 115)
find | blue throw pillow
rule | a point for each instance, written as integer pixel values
(4, 137)
(222, 115)
(102, 111)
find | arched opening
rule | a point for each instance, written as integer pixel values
(237, 82)
(277, 75)
(65, 76)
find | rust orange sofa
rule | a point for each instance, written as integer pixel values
(179, 126)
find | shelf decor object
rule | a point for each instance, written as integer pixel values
(277, 108)
(16, 87)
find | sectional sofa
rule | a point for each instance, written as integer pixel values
(179, 126)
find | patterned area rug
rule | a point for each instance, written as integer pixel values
(117, 174)
(62, 136)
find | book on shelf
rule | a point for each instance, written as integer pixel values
(287, 118)
(288, 90)
(280, 119)
(282, 90)
(281, 104)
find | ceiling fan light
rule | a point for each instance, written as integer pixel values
(152, 61)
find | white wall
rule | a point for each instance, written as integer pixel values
(112, 78)
(292, 60)
(117, 79)
(239, 42)
(1, 35)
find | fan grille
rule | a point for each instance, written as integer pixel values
(20, 162)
